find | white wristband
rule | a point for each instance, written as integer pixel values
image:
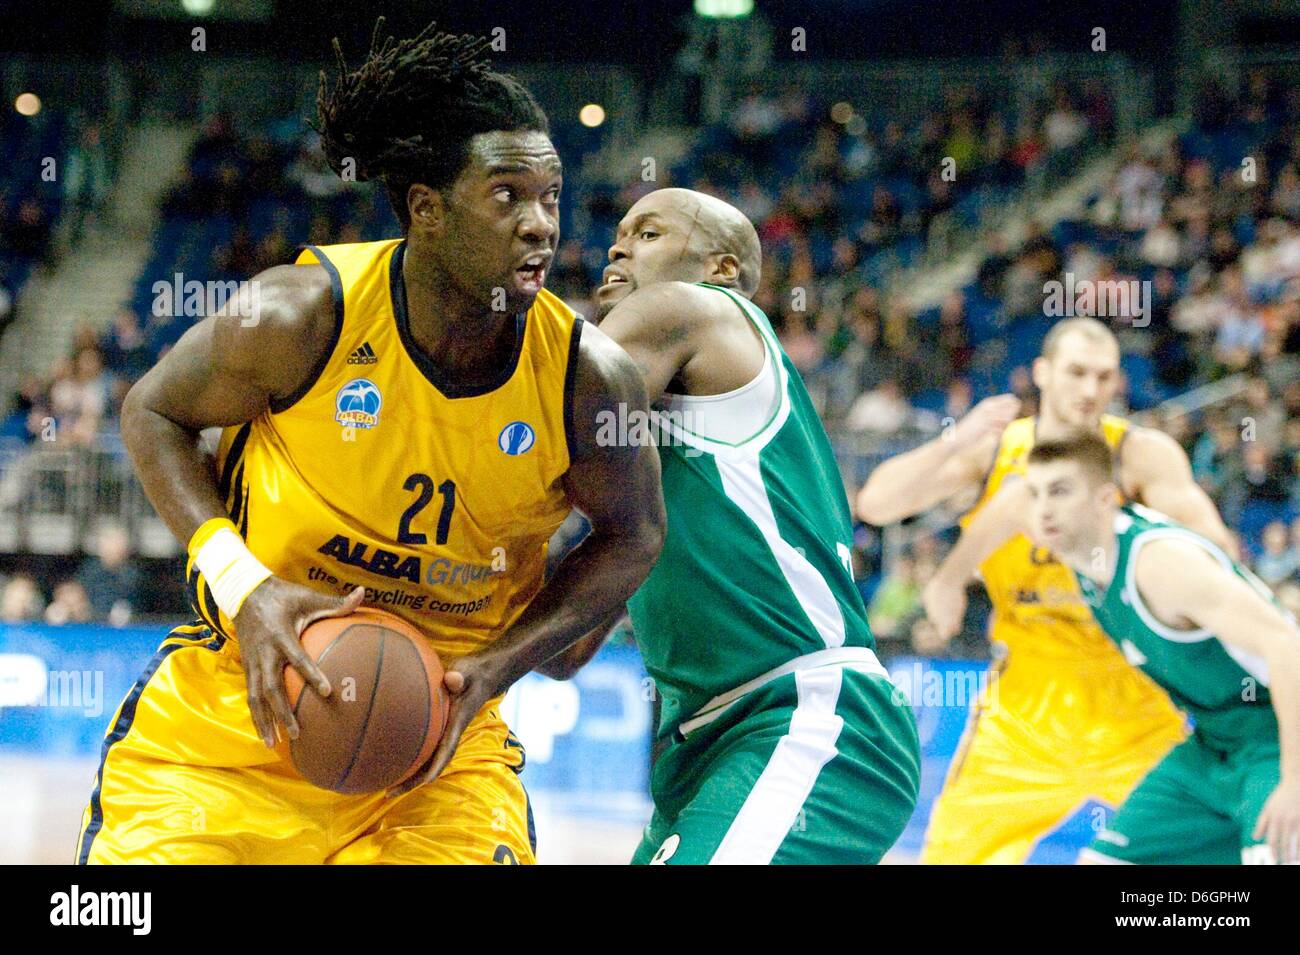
(231, 570)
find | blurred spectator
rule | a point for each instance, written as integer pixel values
(884, 222)
(85, 181)
(79, 397)
(896, 601)
(800, 342)
(865, 361)
(110, 579)
(1022, 287)
(1028, 149)
(1264, 479)
(958, 400)
(126, 351)
(757, 117)
(21, 600)
(952, 339)
(31, 409)
(1214, 454)
(1161, 246)
(1258, 411)
(28, 235)
(69, 604)
(274, 249)
(1279, 560)
(1197, 313)
(1064, 126)
(1137, 186)
(1241, 328)
(882, 410)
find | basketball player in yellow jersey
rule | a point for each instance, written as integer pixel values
(1065, 719)
(406, 422)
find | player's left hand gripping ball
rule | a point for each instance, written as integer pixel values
(472, 681)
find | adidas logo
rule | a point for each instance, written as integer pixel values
(365, 355)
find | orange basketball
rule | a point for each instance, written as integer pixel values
(386, 710)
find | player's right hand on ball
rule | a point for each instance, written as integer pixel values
(945, 606)
(268, 626)
(990, 416)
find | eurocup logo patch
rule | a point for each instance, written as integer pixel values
(516, 438)
(357, 404)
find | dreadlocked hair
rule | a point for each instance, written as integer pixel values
(407, 113)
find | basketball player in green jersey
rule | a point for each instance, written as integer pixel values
(784, 741)
(1208, 631)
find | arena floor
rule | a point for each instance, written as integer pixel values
(42, 799)
(41, 803)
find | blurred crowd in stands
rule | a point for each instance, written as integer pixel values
(1211, 221)
(842, 199)
(53, 165)
(105, 587)
(242, 197)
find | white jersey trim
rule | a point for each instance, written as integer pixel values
(862, 659)
(733, 417)
(1252, 663)
(669, 420)
(772, 807)
(742, 482)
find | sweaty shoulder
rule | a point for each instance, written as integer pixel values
(690, 336)
(288, 333)
(674, 308)
(1145, 452)
(1172, 573)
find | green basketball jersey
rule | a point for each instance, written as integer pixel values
(756, 568)
(1224, 688)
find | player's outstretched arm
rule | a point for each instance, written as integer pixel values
(226, 370)
(1181, 581)
(618, 488)
(1156, 470)
(926, 476)
(1001, 517)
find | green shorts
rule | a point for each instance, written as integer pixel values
(819, 766)
(1198, 806)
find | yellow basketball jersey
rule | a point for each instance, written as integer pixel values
(1037, 607)
(439, 499)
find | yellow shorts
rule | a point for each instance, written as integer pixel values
(184, 778)
(1047, 737)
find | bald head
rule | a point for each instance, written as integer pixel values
(1078, 372)
(684, 236)
(720, 228)
(1089, 329)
